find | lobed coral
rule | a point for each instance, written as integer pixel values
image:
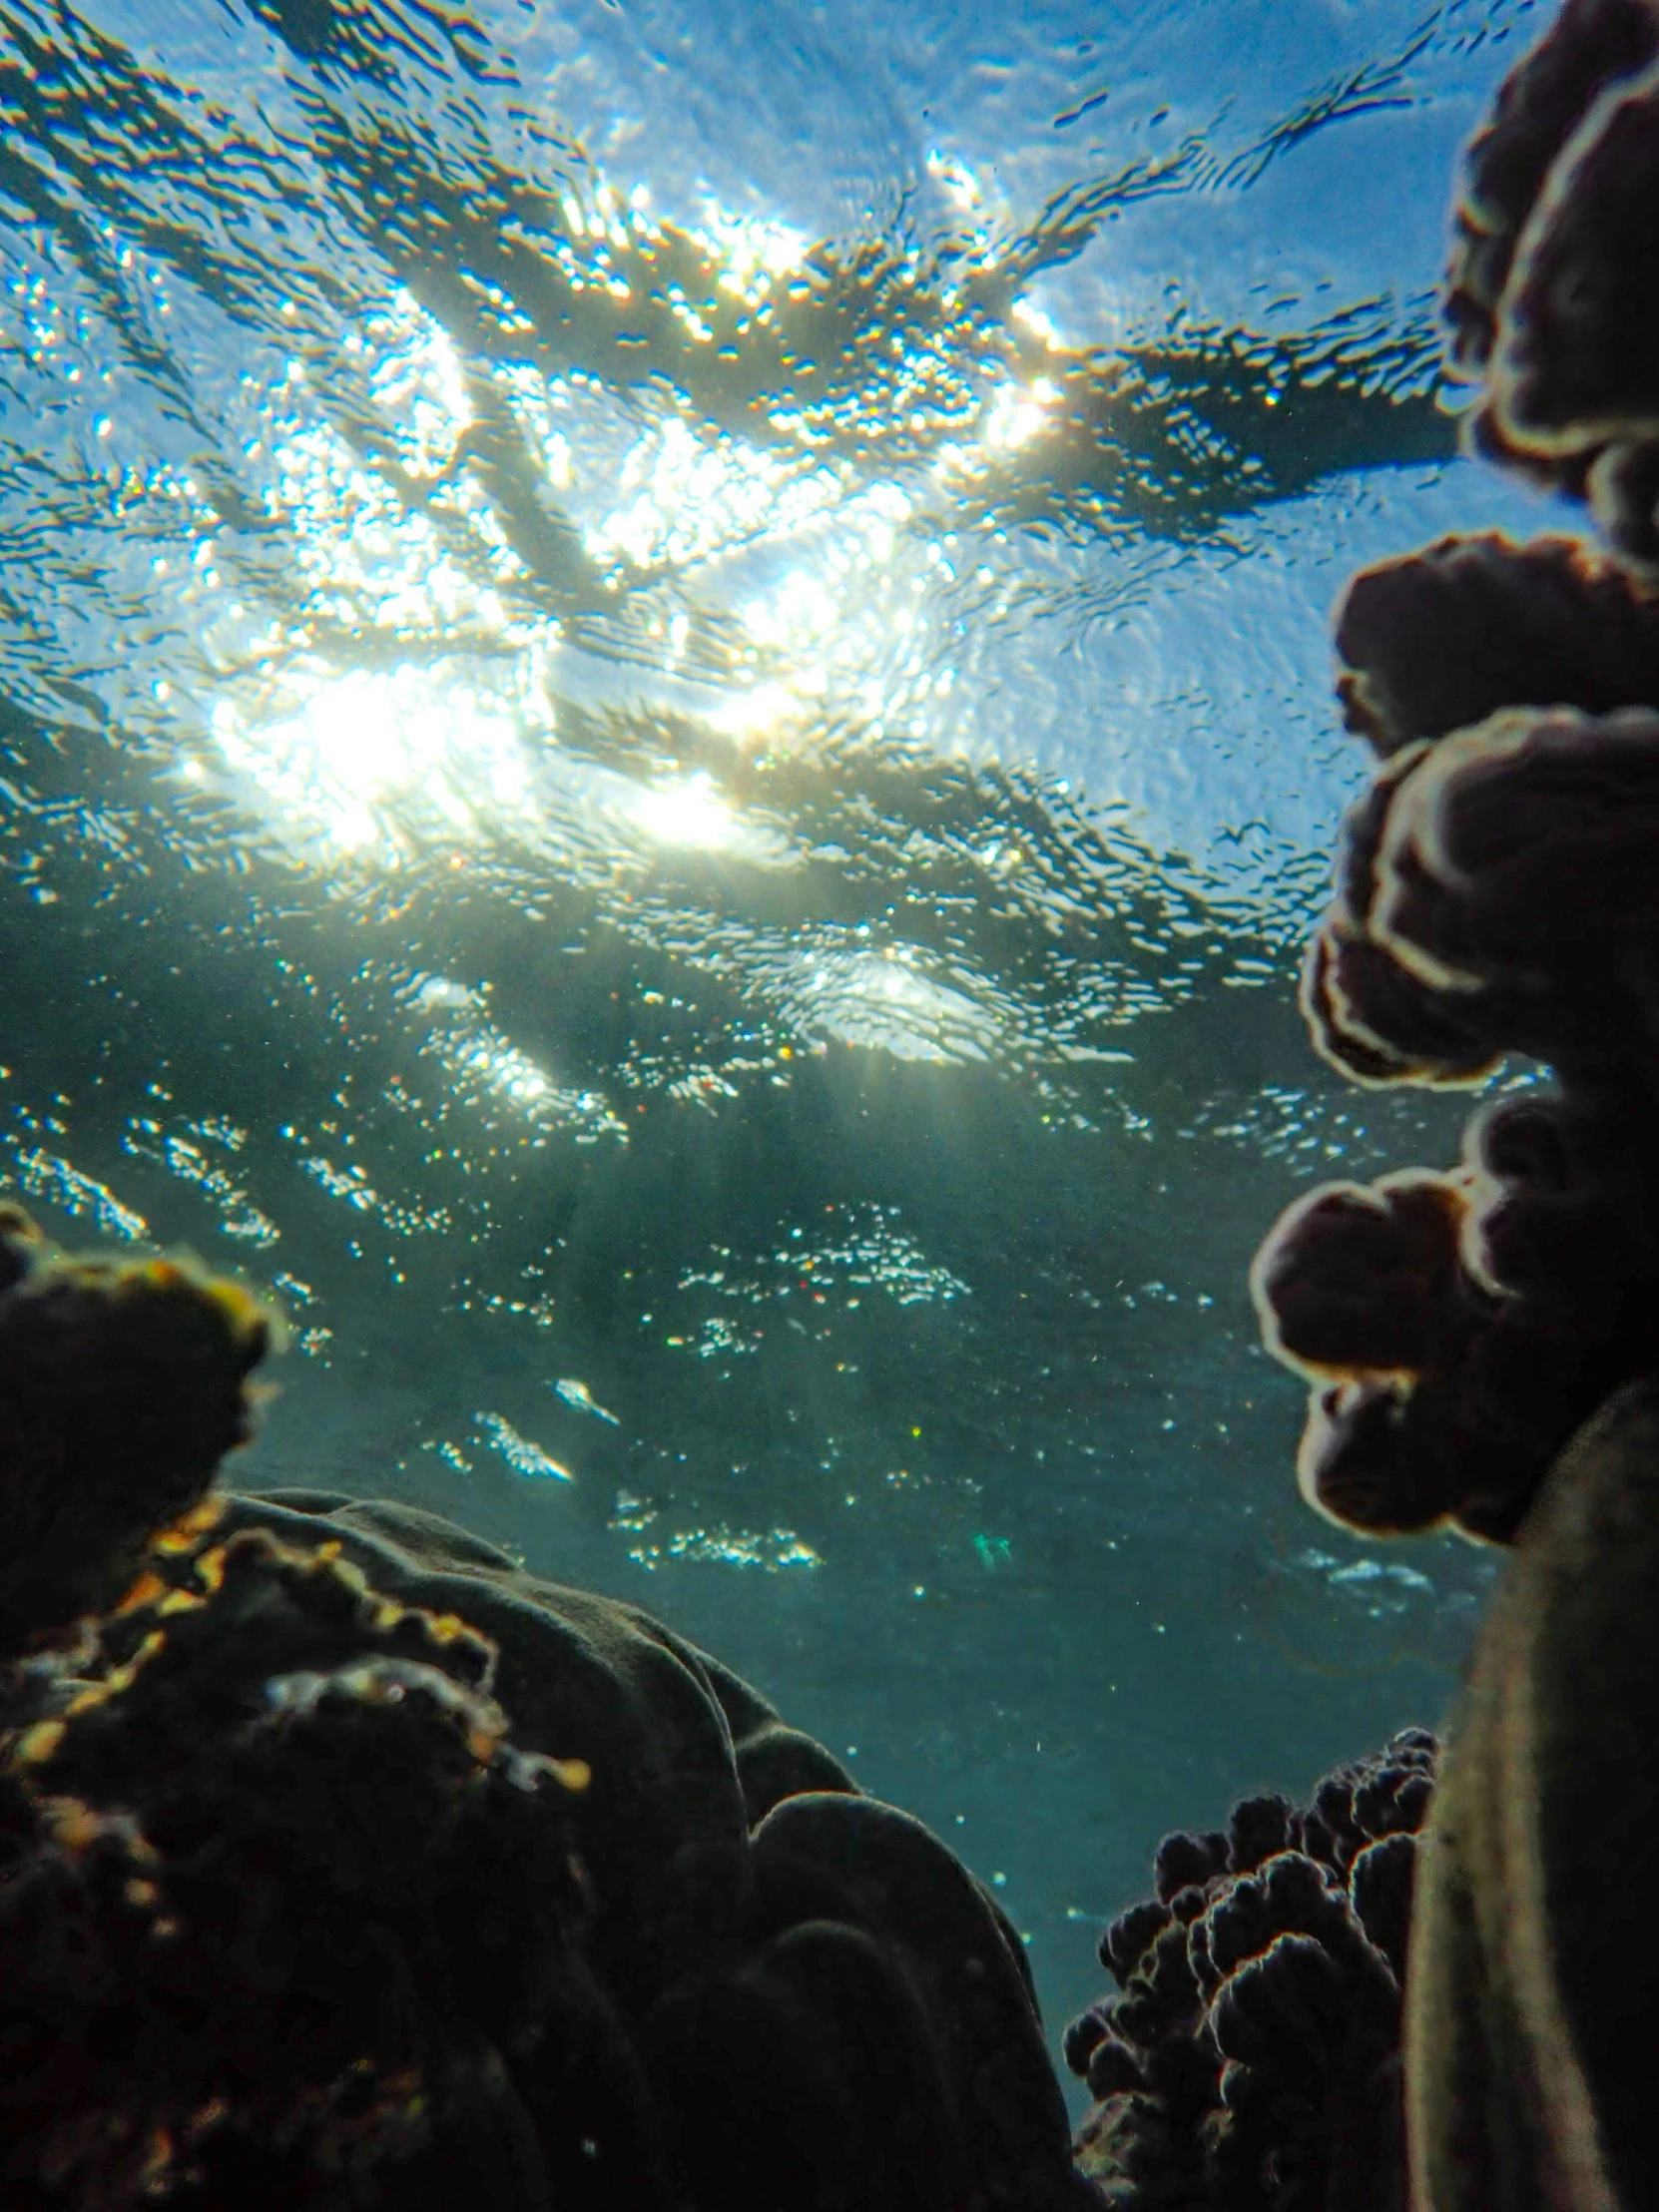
(1458, 1328)
(1495, 895)
(1251, 2063)
(1440, 639)
(1548, 293)
(293, 1915)
(1495, 892)
(828, 2009)
(1592, 45)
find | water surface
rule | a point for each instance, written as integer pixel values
(664, 745)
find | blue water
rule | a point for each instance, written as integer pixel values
(665, 742)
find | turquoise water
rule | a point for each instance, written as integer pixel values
(666, 744)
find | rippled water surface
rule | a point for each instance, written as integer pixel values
(664, 744)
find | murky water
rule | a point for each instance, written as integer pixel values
(665, 745)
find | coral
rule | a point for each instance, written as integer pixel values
(1547, 293)
(1252, 2060)
(122, 1386)
(1592, 44)
(1440, 639)
(1458, 1328)
(1532, 1966)
(283, 1900)
(293, 1915)
(1448, 944)
(1495, 895)
(828, 2008)
(1495, 892)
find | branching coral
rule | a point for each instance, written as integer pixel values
(1252, 2061)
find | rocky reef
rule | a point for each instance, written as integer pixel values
(348, 1865)
(344, 1864)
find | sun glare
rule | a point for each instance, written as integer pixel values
(375, 765)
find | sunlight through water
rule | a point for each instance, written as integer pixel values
(667, 744)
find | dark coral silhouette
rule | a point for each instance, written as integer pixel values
(1592, 44)
(1440, 639)
(1495, 895)
(1495, 892)
(1458, 1328)
(293, 1916)
(1529, 1999)
(1251, 2063)
(122, 1386)
(286, 1909)
(1548, 296)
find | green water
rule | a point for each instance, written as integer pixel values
(666, 747)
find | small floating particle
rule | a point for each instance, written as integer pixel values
(578, 1394)
(523, 1456)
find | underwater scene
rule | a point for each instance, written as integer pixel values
(667, 749)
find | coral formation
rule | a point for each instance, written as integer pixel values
(1533, 1970)
(1496, 891)
(752, 1915)
(1550, 296)
(1440, 639)
(285, 1909)
(1471, 1337)
(1456, 1329)
(1251, 2063)
(122, 1386)
(293, 1913)
(1592, 44)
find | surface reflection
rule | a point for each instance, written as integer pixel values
(662, 740)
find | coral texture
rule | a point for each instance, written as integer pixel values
(1550, 296)
(294, 1917)
(1495, 895)
(1440, 639)
(828, 2010)
(1592, 45)
(1252, 2061)
(1456, 1329)
(1533, 1961)
(1496, 888)
(286, 1911)
(122, 1386)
